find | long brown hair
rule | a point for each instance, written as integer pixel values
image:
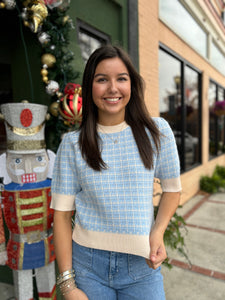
(136, 114)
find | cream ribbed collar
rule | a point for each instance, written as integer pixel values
(112, 129)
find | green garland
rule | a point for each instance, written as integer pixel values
(56, 27)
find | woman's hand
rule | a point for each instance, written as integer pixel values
(76, 294)
(157, 250)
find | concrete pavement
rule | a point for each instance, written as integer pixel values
(205, 243)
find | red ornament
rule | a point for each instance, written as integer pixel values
(70, 106)
(26, 117)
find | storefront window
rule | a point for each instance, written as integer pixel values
(90, 39)
(216, 94)
(180, 106)
(174, 14)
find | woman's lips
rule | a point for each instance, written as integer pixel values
(112, 100)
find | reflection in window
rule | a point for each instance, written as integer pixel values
(217, 58)
(181, 107)
(181, 21)
(216, 122)
(169, 92)
(90, 39)
(88, 45)
(193, 125)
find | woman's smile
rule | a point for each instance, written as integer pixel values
(111, 90)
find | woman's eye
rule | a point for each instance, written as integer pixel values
(122, 79)
(39, 158)
(101, 80)
(17, 161)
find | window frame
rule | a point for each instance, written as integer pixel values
(183, 64)
(212, 156)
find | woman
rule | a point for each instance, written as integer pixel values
(106, 171)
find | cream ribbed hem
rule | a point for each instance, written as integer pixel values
(62, 202)
(125, 243)
(172, 185)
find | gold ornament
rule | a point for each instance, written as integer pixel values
(45, 79)
(54, 109)
(44, 72)
(40, 12)
(2, 5)
(48, 59)
(65, 19)
(26, 23)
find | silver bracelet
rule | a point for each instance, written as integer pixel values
(65, 276)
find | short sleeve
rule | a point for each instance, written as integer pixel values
(65, 185)
(167, 162)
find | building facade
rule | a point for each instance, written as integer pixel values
(178, 47)
(182, 59)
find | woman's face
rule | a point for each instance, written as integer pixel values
(111, 90)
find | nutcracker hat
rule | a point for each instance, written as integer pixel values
(25, 126)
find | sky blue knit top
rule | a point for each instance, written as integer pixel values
(114, 208)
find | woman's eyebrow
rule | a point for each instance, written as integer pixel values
(100, 74)
(120, 74)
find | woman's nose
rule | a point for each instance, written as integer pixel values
(113, 86)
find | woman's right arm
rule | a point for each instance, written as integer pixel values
(62, 231)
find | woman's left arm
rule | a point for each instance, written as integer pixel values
(167, 207)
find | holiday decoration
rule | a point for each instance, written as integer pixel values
(52, 87)
(26, 170)
(219, 108)
(70, 106)
(8, 4)
(54, 109)
(48, 59)
(44, 38)
(51, 24)
(53, 3)
(40, 12)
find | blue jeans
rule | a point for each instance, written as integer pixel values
(106, 275)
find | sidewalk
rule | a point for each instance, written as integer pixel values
(205, 243)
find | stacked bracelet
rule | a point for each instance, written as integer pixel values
(66, 282)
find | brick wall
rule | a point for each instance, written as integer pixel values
(151, 32)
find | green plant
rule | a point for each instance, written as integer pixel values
(215, 182)
(173, 237)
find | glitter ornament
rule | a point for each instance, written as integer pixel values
(52, 87)
(48, 59)
(44, 38)
(70, 107)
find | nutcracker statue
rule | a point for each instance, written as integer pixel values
(26, 169)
